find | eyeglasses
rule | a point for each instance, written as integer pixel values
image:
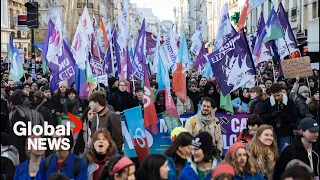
(122, 85)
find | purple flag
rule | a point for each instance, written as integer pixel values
(232, 63)
(139, 60)
(65, 69)
(201, 60)
(259, 29)
(151, 43)
(112, 57)
(286, 28)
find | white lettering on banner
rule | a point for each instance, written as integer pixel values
(65, 63)
(163, 126)
(235, 124)
(228, 46)
(232, 139)
(128, 138)
(67, 73)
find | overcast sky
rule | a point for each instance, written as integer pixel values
(163, 9)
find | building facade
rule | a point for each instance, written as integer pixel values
(9, 10)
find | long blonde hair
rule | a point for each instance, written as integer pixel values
(262, 152)
(251, 167)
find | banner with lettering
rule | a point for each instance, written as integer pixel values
(231, 126)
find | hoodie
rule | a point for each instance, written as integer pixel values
(11, 153)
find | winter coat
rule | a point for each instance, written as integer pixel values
(184, 108)
(255, 105)
(4, 115)
(296, 150)
(214, 129)
(67, 168)
(173, 174)
(110, 121)
(237, 103)
(11, 153)
(189, 172)
(73, 106)
(286, 115)
(247, 176)
(301, 109)
(22, 171)
(244, 134)
(7, 168)
(122, 101)
(44, 109)
(24, 114)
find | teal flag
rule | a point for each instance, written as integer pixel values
(225, 103)
(171, 122)
(16, 68)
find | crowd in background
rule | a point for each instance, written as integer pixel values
(280, 139)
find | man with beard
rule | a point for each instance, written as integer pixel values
(53, 104)
(302, 148)
(205, 120)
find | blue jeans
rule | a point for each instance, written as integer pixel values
(283, 142)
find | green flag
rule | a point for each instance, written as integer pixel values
(225, 103)
(273, 30)
(171, 122)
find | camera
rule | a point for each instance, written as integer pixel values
(216, 152)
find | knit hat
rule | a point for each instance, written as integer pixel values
(203, 141)
(314, 91)
(176, 131)
(111, 81)
(71, 91)
(43, 81)
(63, 83)
(236, 146)
(302, 89)
(281, 78)
(222, 168)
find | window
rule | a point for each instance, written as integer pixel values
(11, 19)
(314, 10)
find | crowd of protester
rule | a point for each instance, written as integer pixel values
(280, 141)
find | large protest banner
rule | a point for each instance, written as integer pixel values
(231, 126)
(298, 66)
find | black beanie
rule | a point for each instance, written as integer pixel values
(203, 141)
(111, 81)
(315, 90)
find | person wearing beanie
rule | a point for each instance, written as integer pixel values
(243, 163)
(301, 103)
(73, 102)
(61, 95)
(113, 84)
(303, 148)
(203, 161)
(223, 172)
(34, 87)
(178, 154)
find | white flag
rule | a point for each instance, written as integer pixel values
(80, 46)
(123, 24)
(168, 50)
(86, 21)
(197, 40)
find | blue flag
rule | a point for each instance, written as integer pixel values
(232, 63)
(16, 68)
(258, 30)
(112, 64)
(139, 60)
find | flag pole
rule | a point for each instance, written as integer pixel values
(274, 75)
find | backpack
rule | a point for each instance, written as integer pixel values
(76, 168)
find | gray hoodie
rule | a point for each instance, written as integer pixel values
(11, 153)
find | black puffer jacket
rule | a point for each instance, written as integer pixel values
(296, 150)
(302, 109)
(287, 116)
(122, 101)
